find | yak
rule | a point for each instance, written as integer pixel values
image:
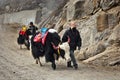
(37, 49)
(48, 47)
(24, 39)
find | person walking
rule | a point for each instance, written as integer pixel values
(32, 28)
(73, 37)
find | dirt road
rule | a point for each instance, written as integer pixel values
(16, 64)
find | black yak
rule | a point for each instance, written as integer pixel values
(48, 46)
(23, 37)
(37, 49)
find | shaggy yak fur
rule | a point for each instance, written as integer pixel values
(37, 50)
(24, 39)
(49, 49)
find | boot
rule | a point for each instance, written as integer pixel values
(53, 65)
(76, 66)
(20, 46)
(28, 48)
(69, 64)
(36, 61)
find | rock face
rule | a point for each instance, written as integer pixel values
(115, 35)
(107, 4)
(102, 22)
(36, 10)
(75, 9)
(97, 21)
(80, 8)
(18, 5)
(23, 17)
(91, 6)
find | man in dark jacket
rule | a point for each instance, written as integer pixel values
(32, 28)
(73, 37)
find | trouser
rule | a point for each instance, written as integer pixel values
(27, 43)
(72, 56)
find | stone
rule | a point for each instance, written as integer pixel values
(114, 37)
(108, 4)
(91, 6)
(102, 22)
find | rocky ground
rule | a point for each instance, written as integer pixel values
(16, 64)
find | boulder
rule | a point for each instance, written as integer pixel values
(102, 22)
(91, 6)
(113, 17)
(114, 37)
(75, 9)
(91, 51)
(108, 4)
